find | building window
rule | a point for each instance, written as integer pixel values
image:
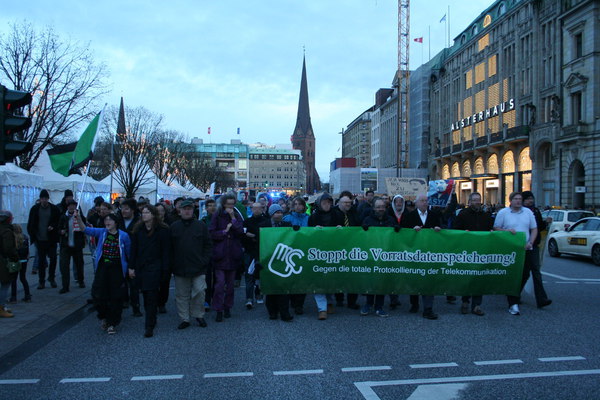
(576, 107)
(578, 45)
(502, 9)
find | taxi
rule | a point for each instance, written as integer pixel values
(582, 239)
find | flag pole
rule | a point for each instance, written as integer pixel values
(448, 24)
(87, 168)
(429, 42)
(112, 161)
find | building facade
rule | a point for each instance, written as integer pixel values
(384, 129)
(232, 157)
(515, 104)
(272, 168)
(356, 140)
(419, 116)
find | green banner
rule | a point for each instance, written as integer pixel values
(383, 261)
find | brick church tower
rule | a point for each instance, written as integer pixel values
(303, 138)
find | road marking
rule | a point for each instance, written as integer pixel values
(569, 283)
(229, 375)
(592, 283)
(156, 377)
(498, 362)
(438, 365)
(299, 372)
(447, 391)
(551, 359)
(357, 369)
(18, 381)
(564, 278)
(366, 388)
(84, 380)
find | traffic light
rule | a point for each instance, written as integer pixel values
(12, 123)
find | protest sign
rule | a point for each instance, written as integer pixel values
(409, 188)
(440, 191)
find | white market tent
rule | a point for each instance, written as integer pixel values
(177, 186)
(19, 190)
(56, 184)
(195, 192)
(148, 189)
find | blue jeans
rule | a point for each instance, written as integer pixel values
(322, 300)
(250, 280)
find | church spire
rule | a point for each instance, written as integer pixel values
(303, 125)
(121, 130)
(303, 138)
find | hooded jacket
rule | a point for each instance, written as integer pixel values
(397, 214)
(296, 219)
(324, 218)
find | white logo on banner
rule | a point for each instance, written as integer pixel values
(285, 254)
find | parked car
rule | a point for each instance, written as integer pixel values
(563, 219)
(583, 239)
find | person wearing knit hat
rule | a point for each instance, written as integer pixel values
(275, 208)
(42, 227)
(68, 196)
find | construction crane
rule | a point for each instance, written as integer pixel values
(403, 84)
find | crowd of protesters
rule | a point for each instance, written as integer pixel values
(208, 245)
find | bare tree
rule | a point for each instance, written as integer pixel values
(63, 78)
(167, 156)
(202, 171)
(132, 148)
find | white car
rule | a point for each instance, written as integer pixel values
(563, 219)
(583, 239)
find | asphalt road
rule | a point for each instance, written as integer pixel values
(543, 354)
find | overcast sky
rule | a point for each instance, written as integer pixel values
(237, 63)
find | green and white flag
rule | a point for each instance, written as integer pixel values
(68, 158)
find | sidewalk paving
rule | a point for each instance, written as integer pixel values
(46, 309)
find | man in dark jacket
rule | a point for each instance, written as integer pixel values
(378, 218)
(541, 297)
(348, 216)
(42, 227)
(277, 304)
(473, 218)
(191, 252)
(323, 216)
(418, 219)
(365, 208)
(72, 243)
(251, 249)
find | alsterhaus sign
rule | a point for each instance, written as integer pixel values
(483, 115)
